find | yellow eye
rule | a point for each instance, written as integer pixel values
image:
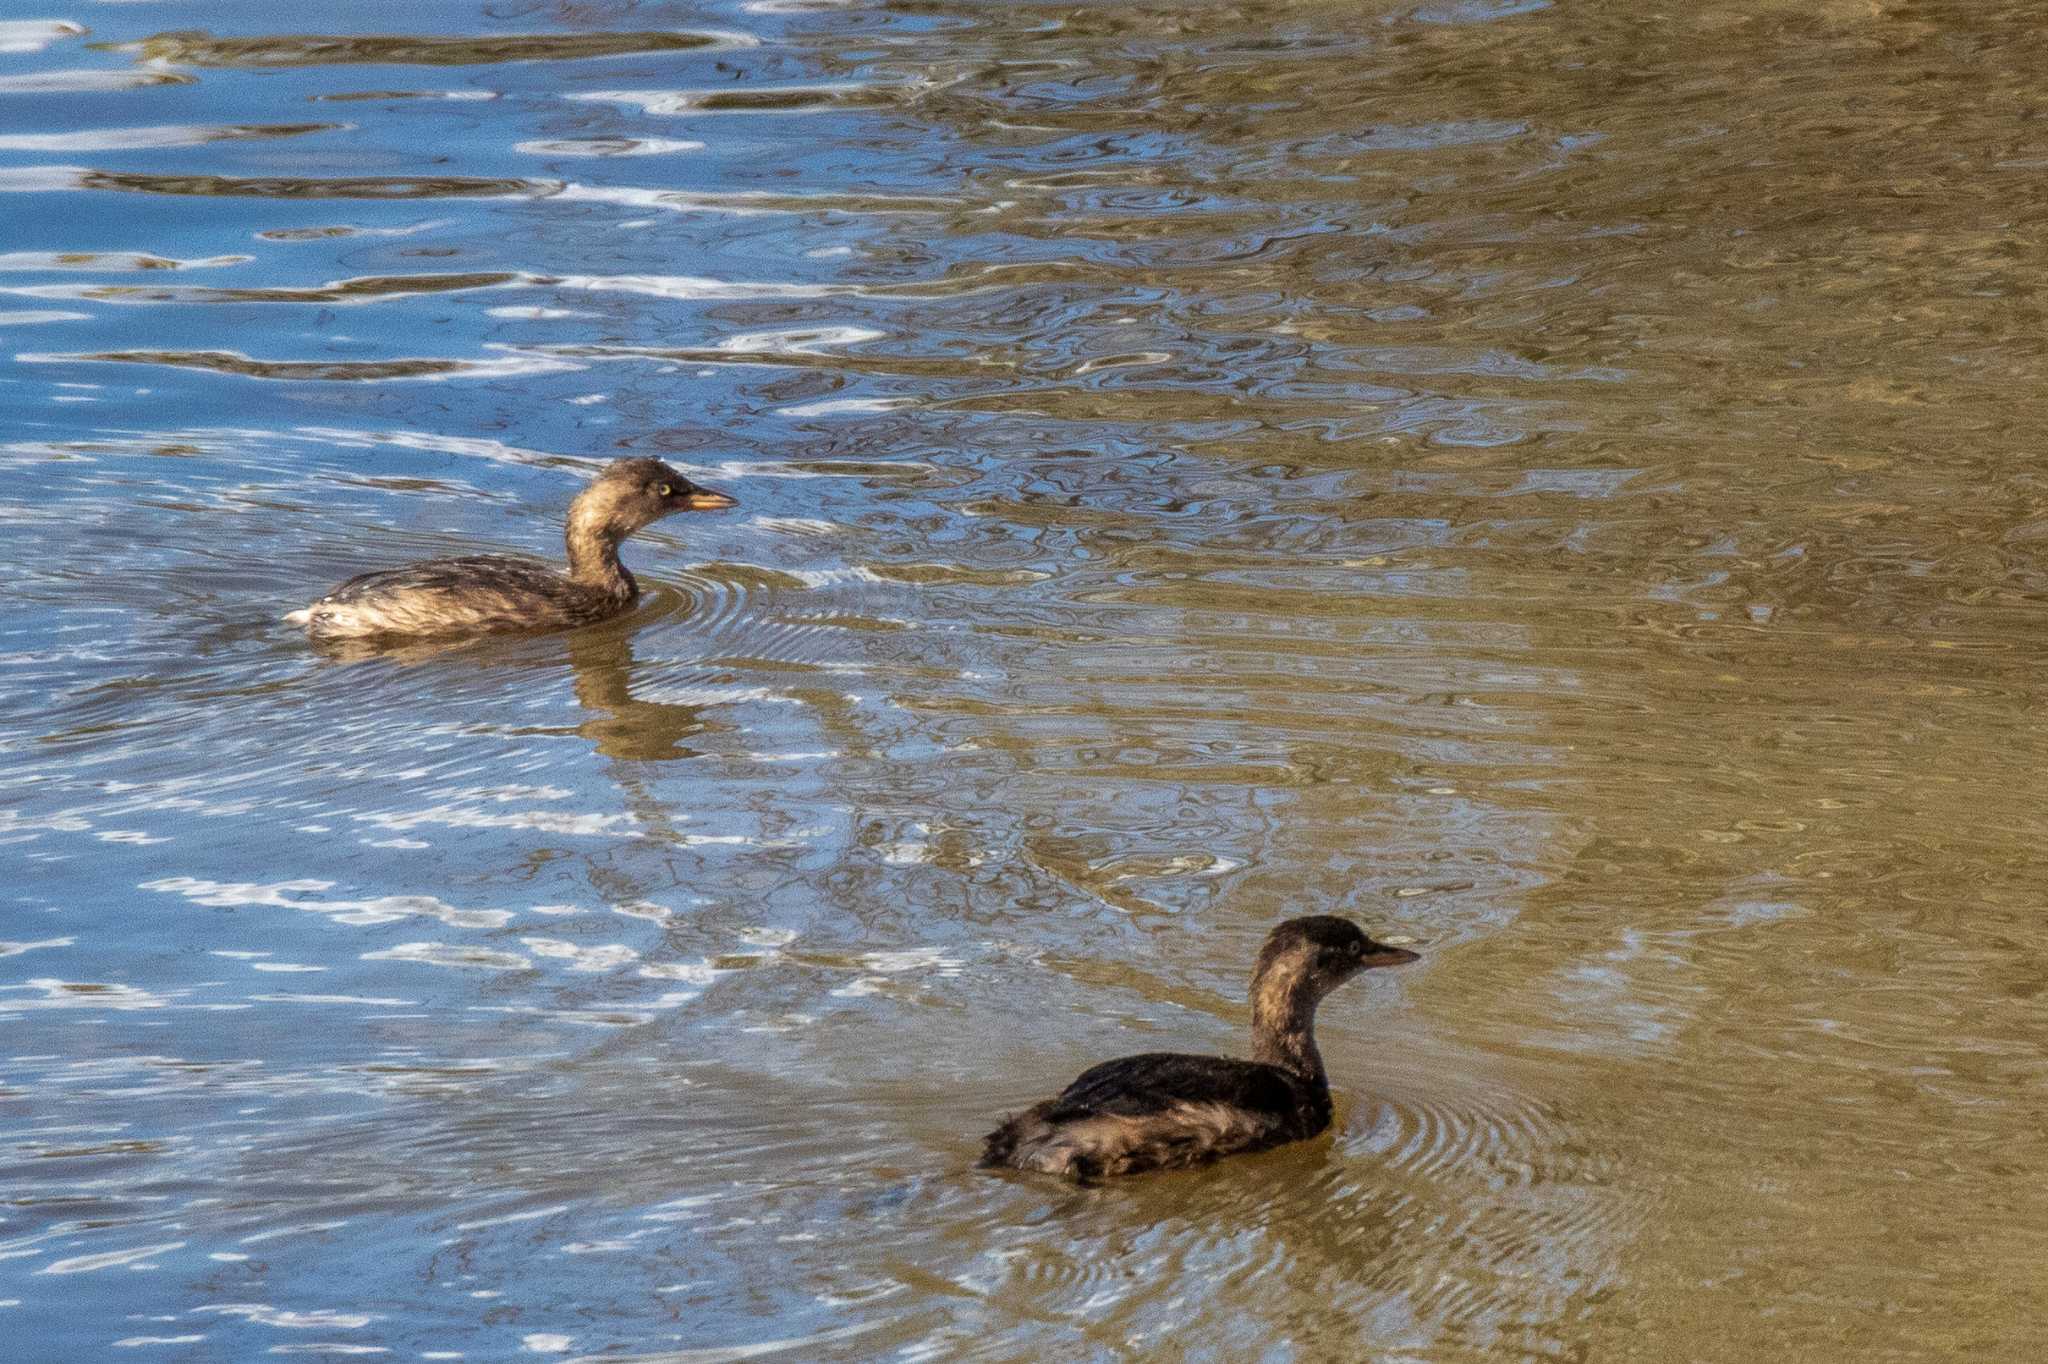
(664, 490)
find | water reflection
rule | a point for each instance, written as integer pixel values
(601, 665)
(619, 725)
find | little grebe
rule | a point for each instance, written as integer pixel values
(1166, 1111)
(491, 592)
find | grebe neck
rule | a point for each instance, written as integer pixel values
(1284, 1021)
(594, 558)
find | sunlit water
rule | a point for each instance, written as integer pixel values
(1564, 484)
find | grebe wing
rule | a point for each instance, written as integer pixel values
(1137, 1086)
(494, 572)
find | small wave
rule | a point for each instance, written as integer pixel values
(73, 994)
(297, 894)
(86, 81)
(451, 954)
(740, 203)
(314, 234)
(786, 99)
(234, 362)
(110, 260)
(15, 949)
(547, 821)
(30, 317)
(263, 1314)
(735, 1354)
(344, 292)
(609, 146)
(112, 1259)
(695, 287)
(529, 313)
(360, 96)
(1459, 12)
(582, 960)
(432, 442)
(736, 203)
(413, 49)
(160, 135)
(798, 340)
(836, 407)
(33, 35)
(45, 179)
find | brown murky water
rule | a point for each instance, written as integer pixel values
(1562, 483)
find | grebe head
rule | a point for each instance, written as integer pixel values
(632, 493)
(1320, 952)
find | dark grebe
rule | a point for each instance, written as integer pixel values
(491, 592)
(1165, 1111)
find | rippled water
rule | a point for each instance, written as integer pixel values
(1562, 483)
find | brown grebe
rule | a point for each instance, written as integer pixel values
(1166, 1111)
(494, 592)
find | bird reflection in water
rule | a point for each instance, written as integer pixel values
(618, 724)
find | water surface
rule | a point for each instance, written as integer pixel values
(1559, 483)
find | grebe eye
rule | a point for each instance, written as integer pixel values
(664, 490)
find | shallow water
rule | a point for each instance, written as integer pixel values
(1563, 484)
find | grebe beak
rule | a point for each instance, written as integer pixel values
(1382, 955)
(703, 499)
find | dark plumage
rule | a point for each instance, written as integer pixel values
(1167, 1110)
(493, 592)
